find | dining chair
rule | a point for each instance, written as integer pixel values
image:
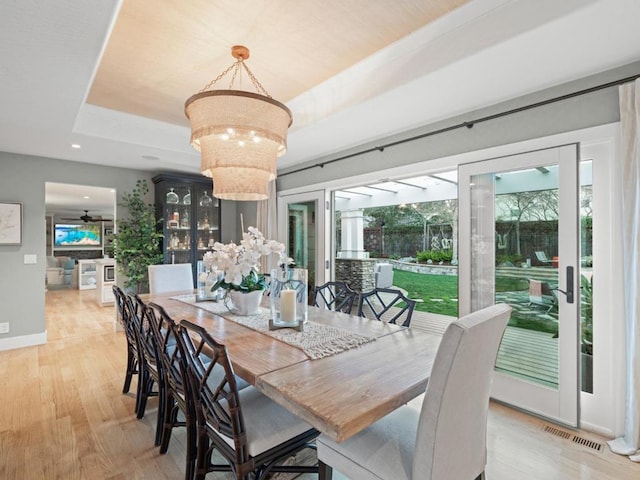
(170, 277)
(178, 399)
(386, 304)
(251, 432)
(124, 316)
(446, 439)
(152, 374)
(336, 296)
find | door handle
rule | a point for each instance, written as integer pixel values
(569, 291)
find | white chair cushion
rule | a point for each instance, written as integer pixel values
(267, 423)
(382, 451)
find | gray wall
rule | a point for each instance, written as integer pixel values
(597, 108)
(22, 179)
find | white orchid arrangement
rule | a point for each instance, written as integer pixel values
(240, 263)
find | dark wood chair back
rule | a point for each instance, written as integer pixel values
(388, 305)
(215, 387)
(178, 395)
(133, 360)
(337, 296)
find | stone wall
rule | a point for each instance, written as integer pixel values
(358, 273)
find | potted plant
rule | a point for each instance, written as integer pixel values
(240, 265)
(136, 243)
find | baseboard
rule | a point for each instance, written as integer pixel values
(605, 432)
(23, 341)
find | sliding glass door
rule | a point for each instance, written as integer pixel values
(519, 245)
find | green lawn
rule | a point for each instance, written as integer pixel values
(441, 288)
(440, 295)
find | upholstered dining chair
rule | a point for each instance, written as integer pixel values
(446, 440)
(124, 316)
(253, 433)
(336, 296)
(386, 304)
(170, 277)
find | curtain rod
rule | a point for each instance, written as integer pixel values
(470, 123)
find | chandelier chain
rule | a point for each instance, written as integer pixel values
(236, 66)
(212, 82)
(235, 74)
(255, 81)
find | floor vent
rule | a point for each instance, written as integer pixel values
(587, 443)
(557, 432)
(574, 438)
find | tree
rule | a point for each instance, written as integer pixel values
(382, 216)
(136, 244)
(519, 205)
(438, 212)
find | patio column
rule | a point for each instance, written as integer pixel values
(352, 237)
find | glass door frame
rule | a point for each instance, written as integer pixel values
(561, 405)
(320, 197)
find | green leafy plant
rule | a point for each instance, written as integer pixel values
(586, 317)
(250, 282)
(513, 259)
(136, 244)
(435, 256)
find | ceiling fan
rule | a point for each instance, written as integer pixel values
(86, 218)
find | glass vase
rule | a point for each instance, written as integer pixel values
(206, 280)
(288, 292)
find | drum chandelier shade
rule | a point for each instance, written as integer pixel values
(239, 134)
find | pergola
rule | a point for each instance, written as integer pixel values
(351, 202)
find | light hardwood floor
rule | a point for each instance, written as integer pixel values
(64, 416)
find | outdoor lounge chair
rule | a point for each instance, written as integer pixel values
(542, 258)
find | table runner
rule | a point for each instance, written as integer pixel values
(317, 340)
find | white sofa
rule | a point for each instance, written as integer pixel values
(61, 271)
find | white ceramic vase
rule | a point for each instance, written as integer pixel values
(242, 303)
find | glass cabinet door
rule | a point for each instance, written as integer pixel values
(177, 219)
(207, 219)
(190, 217)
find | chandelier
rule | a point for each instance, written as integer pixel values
(239, 134)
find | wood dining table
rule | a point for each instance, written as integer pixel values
(338, 394)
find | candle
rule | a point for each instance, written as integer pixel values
(288, 305)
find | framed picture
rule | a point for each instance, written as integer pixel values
(10, 223)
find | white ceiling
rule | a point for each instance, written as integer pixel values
(66, 200)
(483, 52)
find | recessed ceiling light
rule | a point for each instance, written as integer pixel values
(86, 197)
(150, 157)
(76, 145)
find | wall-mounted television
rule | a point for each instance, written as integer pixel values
(85, 235)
